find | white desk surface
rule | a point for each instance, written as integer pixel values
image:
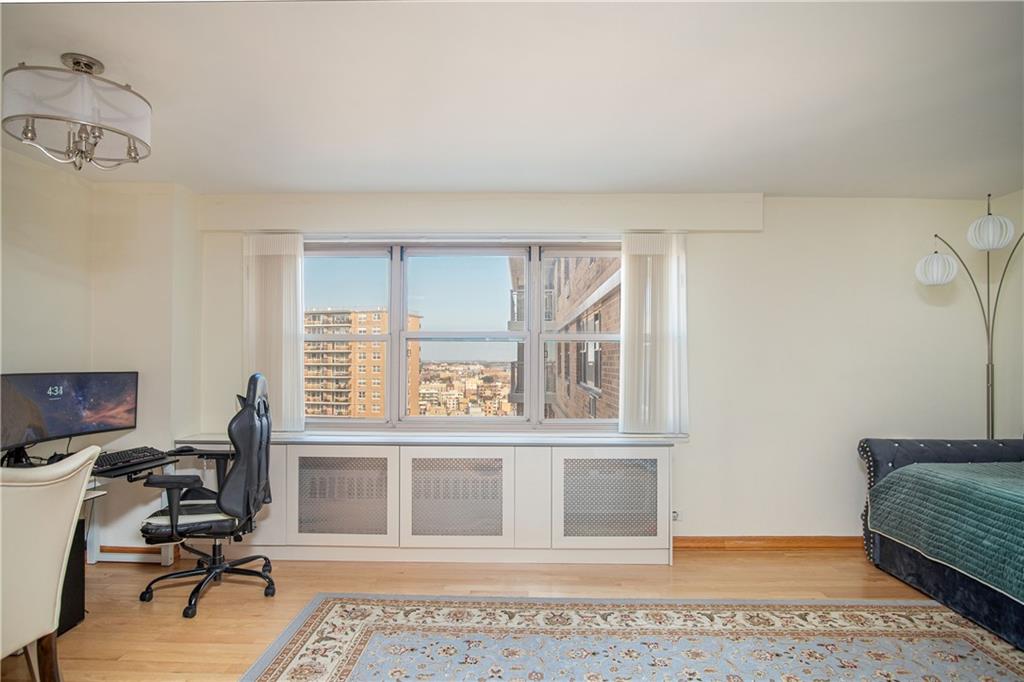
(442, 438)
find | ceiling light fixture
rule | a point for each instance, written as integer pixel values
(74, 116)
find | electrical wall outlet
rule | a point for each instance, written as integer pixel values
(675, 515)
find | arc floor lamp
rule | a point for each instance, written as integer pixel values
(988, 233)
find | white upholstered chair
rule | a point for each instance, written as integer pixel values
(39, 508)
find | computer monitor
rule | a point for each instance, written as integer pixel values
(39, 407)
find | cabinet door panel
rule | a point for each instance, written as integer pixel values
(457, 496)
(343, 495)
(611, 497)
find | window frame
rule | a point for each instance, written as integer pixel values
(461, 335)
(353, 421)
(396, 337)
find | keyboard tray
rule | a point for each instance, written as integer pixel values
(136, 467)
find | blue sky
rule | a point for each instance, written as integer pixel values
(452, 293)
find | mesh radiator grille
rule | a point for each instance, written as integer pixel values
(457, 496)
(346, 495)
(610, 498)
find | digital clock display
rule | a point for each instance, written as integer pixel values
(55, 391)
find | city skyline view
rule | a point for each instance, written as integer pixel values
(479, 284)
(475, 295)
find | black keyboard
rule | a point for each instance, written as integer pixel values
(122, 458)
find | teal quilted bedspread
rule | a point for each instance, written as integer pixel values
(968, 516)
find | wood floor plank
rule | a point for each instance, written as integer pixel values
(123, 639)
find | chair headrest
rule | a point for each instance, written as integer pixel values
(257, 390)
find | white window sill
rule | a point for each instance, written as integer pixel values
(391, 437)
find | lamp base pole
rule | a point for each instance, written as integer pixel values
(990, 395)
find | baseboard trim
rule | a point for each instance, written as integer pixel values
(129, 550)
(148, 549)
(764, 542)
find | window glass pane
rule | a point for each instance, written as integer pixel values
(465, 378)
(347, 284)
(581, 380)
(581, 294)
(337, 374)
(467, 293)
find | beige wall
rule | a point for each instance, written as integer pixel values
(510, 213)
(1012, 206)
(105, 277)
(46, 270)
(803, 338)
(145, 294)
(814, 334)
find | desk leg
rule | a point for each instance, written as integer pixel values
(167, 551)
(92, 540)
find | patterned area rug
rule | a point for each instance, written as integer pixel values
(367, 637)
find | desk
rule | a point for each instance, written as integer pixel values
(131, 473)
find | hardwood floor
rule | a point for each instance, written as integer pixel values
(125, 639)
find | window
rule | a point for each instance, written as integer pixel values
(505, 335)
(470, 341)
(581, 335)
(339, 290)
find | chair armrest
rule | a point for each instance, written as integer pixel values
(220, 460)
(173, 484)
(171, 481)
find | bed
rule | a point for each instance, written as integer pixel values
(947, 517)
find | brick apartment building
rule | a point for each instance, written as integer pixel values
(581, 295)
(582, 379)
(348, 378)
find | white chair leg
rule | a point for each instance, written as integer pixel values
(32, 661)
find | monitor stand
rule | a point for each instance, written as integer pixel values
(17, 457)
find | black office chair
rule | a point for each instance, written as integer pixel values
(195, 512)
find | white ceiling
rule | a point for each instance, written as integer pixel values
(802, 99)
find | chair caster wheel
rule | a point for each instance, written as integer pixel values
(269, 591)
(266, 568)
(189, 612)
(200, 564)
(147, 595)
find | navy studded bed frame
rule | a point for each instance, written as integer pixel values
(965, 595)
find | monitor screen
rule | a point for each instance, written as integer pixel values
(40, 407)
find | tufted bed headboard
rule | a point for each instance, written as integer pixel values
(884, 455)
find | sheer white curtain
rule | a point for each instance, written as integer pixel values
(273, 322)
(652, 384)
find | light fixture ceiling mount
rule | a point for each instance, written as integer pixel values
(74, 116)
(82, 63)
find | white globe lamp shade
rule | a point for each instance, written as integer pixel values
(936, 269)
(990, 233)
